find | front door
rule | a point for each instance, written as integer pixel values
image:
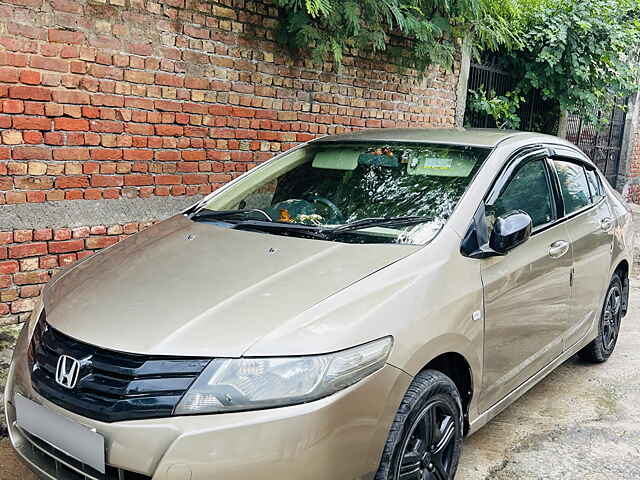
(590, 226)
(526, 292)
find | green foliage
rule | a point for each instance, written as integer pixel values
(578, 53)
(502, 108)
(434, 28)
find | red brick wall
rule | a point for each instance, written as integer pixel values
(140, 98)
(106, 99)
(28, 259)
(633, 169)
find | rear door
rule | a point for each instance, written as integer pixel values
(526, 292)
(590, 226)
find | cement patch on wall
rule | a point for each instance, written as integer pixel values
(76, 213)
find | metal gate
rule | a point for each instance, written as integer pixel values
(602, 144)
(491, 76)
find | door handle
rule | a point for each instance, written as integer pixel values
(558, 248)
(606, 224)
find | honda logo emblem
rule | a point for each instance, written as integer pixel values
(67, 371)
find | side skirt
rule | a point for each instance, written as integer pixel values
(484, 418)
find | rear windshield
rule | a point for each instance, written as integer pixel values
(332, 186)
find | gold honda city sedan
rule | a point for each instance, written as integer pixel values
(348, 310)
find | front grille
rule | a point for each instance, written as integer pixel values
(112, 386)
(58, 464)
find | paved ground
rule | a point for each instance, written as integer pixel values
(581, 422)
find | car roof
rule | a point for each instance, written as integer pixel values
(476, 137)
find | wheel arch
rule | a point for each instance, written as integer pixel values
(622, 269)
(455, 366)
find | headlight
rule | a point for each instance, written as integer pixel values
(228, 385)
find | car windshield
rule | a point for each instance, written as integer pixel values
(357, 193)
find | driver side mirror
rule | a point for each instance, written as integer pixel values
(509, 231)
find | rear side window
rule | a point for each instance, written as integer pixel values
(529, 191)
(594, 184)
(573, 185)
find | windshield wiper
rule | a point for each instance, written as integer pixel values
(378, 222)
(228, 214)
(281, 227)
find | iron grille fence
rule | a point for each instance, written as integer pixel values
(491, 75)
(602, 143)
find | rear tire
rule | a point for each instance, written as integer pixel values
(601, 348)
(425, 441)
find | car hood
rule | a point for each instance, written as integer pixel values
(188, 288)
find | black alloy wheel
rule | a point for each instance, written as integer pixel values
(428, 451)
(601, 348)
(425, 439)
(611, 317)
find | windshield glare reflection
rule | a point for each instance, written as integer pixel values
(329, 186)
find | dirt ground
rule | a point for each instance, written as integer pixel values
(581, 422)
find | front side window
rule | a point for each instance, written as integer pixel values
(573, 185)
(408, 191)
(528, 190)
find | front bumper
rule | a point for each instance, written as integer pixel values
(339, 437)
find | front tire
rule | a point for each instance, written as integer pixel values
(601, 348)
(425, 441)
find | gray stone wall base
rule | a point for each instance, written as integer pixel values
(80, 213)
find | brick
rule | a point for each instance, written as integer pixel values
(27, 250)
(33, 183)
(32, 153)
(30, 291)
(80, 232)
(66, 36)
(11, 137)
(77, 124)
(171, 130)
(62, 234)
(13, 106)
(137, 76)
(53, 138)
(106, 154)
(106, 126)
(107, 181)
(31, 278)
(67, 6)
(43, 234)
(196, 83)
(94, 243)
(138, 180)
(70, 96)
(8, 74)
(8, 267)
(30, 77)
(22, 305)
(66, 246)
(31, 123)
(169, 80)
(30, 93)
(72, 182)
(6, 238)
(70, 154)
(51, 64)
(32, 137)
(36, 196)
(194, 179)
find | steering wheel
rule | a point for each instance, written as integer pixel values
(336, 213)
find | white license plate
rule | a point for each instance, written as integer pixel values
(75, 440)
